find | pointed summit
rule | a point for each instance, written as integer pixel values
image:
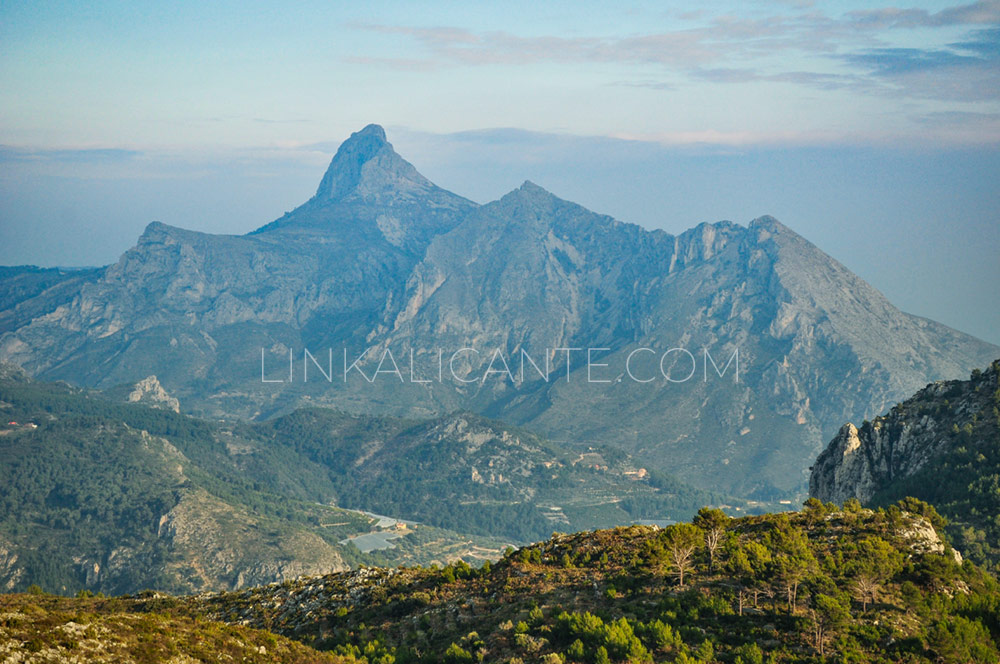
(371, 192)
(768, 229)
(373, 130)
(529, 192)
(530, 187)
(768, 223)
(366, 166)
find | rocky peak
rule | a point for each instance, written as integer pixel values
(155, 233)
(150, 392)
(531, 189)
(844, 470)
(366, 165)
(534, 205)
(530, 193)
(768, 223)
(768, 231)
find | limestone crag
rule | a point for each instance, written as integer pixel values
(859, 463)
(149, 392)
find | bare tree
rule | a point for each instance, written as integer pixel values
(712, 539)
(742, 595)
(681, 540)
(866, 589)
(713, 522)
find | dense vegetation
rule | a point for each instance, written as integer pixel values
(825, 584)
(963, 480)
(867, 586)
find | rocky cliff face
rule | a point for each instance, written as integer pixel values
(216, 545)
(910, 438)
(382, 258)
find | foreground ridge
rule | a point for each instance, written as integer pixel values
(792, 587)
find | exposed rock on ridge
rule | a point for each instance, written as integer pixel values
(150, 392)
(859, 463)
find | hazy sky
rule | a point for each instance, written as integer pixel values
(871, 128)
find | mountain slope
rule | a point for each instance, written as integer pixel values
(533, 271)
(470, 474)
(382, 261)
(942, 445)
(84, 631)
(116, 496)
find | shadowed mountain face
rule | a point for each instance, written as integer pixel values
(381, 258)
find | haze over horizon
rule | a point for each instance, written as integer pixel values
(870, 129)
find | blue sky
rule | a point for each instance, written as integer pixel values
(238, 74)
(870, 128)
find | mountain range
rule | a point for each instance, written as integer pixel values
(770, 343)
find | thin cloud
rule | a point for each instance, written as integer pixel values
(279, 121)
(730, 49)
(967, 118)
(961, 127)
(985, 43)
(963, 71)
(895, 61)
(825, 81)
(977, 13)
(720, 38)
(817, 80)
(727, 74)
(402, 64)
(652, 85)
(69, 155)
(712, 137)
(460, 46)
